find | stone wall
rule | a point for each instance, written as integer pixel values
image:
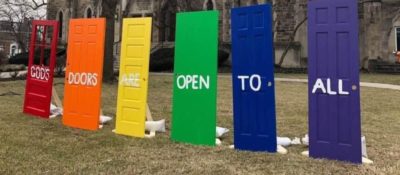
(6, 39)
(287, 16)
(71, 9)
(377, 21)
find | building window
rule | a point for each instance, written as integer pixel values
(1, 48)
(61, 23)
(168, 26)
(13, 50)
(88, 13)
(209, 5)
(99, 8)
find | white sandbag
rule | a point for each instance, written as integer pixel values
(281, 150)
(295, 141)
(221, 131)
(367, 161)
(218, 142)
(105, 119)
(364, 147)
(305, 153)
(55, 111)
(284, 141)
(305, 139)
(158, 126)
(52, 107)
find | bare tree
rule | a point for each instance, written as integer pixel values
(18, 14)
(291, 41)
(32, 4)
(184, 5)
(109, 12)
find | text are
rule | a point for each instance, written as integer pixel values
(132, 80)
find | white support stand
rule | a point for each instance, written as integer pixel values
(56, 100)
(152, 134)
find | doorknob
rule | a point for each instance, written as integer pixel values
(354, 87)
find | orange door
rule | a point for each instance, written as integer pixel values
(84, 73)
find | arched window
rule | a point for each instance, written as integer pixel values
(210, 5)
(60, 17)
(168, 23)
(88, 13)
(13, 49)
(99, 8)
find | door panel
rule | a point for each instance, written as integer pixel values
(334, 95)
(39, 80)
(82, 96)
(253, 79)
(133, 77)
(195, 78)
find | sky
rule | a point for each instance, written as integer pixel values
(37, 14)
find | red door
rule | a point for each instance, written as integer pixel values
(42, 59)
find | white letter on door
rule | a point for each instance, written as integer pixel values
(319, 85)
(243, 79)
(258, 77)
(330, 92)
(341, 92)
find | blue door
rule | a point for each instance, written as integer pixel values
(253, 79)
(334, 90)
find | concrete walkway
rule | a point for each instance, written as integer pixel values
(363, 84)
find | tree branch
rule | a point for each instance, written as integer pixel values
(291, 40)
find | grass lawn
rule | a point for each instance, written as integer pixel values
(29, 145)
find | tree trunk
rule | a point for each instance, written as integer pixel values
(108, 12)
(108, 67)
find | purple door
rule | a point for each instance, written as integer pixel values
(334, 93)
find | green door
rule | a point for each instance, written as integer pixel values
(195, 78)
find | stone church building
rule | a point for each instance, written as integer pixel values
(379, 24)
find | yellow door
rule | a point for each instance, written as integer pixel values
(133, 77)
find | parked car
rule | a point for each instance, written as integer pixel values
(23, 58)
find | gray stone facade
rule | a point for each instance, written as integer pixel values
(378, 22)
(9, 45)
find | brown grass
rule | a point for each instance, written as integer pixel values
(29, 145)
